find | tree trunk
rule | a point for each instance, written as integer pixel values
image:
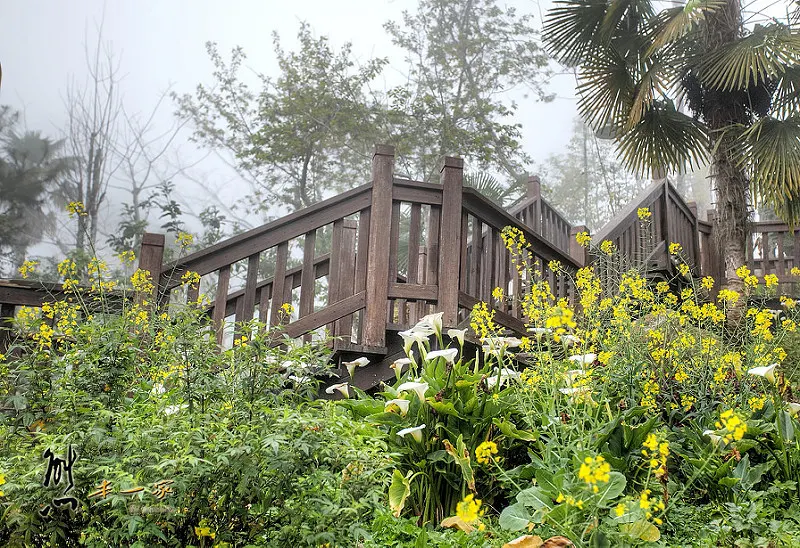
(721, 111)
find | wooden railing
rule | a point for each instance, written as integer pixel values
(399, 249)
(671, 220)
(379, 257)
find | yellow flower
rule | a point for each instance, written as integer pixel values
(683, 268)
(770, 280)
(127, 257)
(607, 247)
(733, 426)
(643, 213)
(662, 287)
(28, 268)
(675, 248)
(2, 481)
(287, 309)
(583, 239)
(756, 403)
(728, 296)
(555, 266)
(795, 271)
(497, 292)
(707, 282)
(484, 452)
(620, 509)
(190, 278)
(141, 281)
(595, 470)
(76, 208)
(184, 239)
(469, 509)
(656, 450)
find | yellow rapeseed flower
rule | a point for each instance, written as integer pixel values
(643, 213)
(733, 426)
(583, 239)
(594, 470)
(27, 268)
(469, 509)
(76, 208)
(770, 280)
(484, 452)
(607, 247)
(675, 248)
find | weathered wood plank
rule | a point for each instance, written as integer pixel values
(377, 282)
(249, 297)
(278, 283)
(221, 301)
(327, 315)
(428, 292)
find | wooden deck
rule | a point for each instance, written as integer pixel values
(372, 261)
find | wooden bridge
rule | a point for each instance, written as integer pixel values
(372, 261)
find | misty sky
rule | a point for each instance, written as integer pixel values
(160, 45)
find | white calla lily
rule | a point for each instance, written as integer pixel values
(449, 354)
(351, 366)
(793, 408)
(398, 365)
(457, 334)
(501, 376)
(158, 388)
(172, 409)
(768, 372)
(418, 387)
(573, 375)
(401, 404)
(569, 340)
(416, 432)
(431, 321)
(583, 359)
(342, 387)
(299, 380)
(539, 332)
(410, 337)
(715, 439)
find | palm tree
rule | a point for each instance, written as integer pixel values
(741, 85)
(30, 167)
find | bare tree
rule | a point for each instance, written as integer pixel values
(93, 137)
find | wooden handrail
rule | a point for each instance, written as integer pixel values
(490, 213)
(269, 235)
(628, 214)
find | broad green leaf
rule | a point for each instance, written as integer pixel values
(785, 426)
(641, 529)
(535, 498)
(515, 517)
(611, 489)
(462, 457)
(550, 484)
(444, 408)
(398, 492)
(508, 429)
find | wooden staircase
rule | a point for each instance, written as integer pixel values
(372, 261)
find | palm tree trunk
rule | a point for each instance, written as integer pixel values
(721, 111)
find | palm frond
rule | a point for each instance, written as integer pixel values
(672, 24)
(625, 18)
(786, 99)
(571, 29)
(654, 82)
(770, 150)
(757, 58)
(606, 89)
(489, 186)
(664, 139)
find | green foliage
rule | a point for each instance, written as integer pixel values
(144, 396)
(461, 56)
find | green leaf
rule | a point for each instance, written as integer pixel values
(445, 408)
(599, 540)
(398, 492)
(641, 529)
(785, 425)
(515, 517)
(462, 457)
(509, 430)
(535, 498)
(550, 484)
(613, 488)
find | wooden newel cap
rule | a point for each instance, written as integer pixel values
(383, 150)
(151, 238)
(453, 162)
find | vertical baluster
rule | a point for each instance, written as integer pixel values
(221, 302)
(308, 277)
(334, 267)
(347, 265)
(394, 246)
(278, 283)
(413, 254)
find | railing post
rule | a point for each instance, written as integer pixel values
(697, 259)
(151, 256)
(377, 304)
(452, 177)
(534, 191)
(665, 222)
(6, 325)
(576, 250)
